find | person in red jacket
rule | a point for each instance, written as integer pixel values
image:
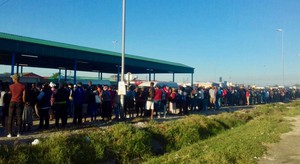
(247, 96)
(157, 101)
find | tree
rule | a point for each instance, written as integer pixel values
(55, 76)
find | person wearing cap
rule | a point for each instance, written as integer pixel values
(15, 106)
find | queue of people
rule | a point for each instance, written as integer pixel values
(62, 101)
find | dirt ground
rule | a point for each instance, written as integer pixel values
(28, 137)
(287, 150)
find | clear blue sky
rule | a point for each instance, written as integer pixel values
(233, 39)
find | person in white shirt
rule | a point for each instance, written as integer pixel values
(212, 94)
(2, 113)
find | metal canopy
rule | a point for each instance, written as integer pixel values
(48, 54)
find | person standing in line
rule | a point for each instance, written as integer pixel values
(130, 100)
(164, 100)
(172, 105)
(61, 98)
(150, 96)
(212, 99)
(106, 103)
(247, 97)
(98, 100)
(78, 100)
(144, 100)
(157, 100)
(225, 96)
(44, 105)
(116, 105)
(193, 98)
(2, 93)
(218, 98)
(200, 92)
(30, 101)
(180, 100)
(139, 101)
(52, 109)
(6, 100)
(85, 104)
(186, 100)
(92, 106)
(113, 93)
(70, 104)
(205, 99)
(15, 106)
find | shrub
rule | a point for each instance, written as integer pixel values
(194, 139)
(128, 143)
(184, 132)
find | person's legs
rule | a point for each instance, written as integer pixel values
(41, 114)
(57, 116)
(64, 115)
(47, 117)
(76, 113)
(19, 116)
(10, 117)
(157, 108)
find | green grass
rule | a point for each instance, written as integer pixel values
(238, 137)
(242, 144)
(239, 145)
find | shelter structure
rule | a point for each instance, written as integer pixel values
(21, 51)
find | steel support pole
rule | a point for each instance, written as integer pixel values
(123, 57)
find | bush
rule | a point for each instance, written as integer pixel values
(128, 143)
(243, 144)
(121, 143)
(184, 132)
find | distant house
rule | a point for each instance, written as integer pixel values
(24, 78)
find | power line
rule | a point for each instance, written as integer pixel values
(3, 3)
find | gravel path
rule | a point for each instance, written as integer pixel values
(34, 133)
(288, 149)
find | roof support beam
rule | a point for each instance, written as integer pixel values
(59, 74)
(173, 77)
(99, 75)
(65, 74)
(75, 69)
(17, 68)
(13, 59)
(192, 79)
(21, 70)
(118, 73)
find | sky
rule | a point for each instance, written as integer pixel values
(233, 39)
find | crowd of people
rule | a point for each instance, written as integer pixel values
(82, 103)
